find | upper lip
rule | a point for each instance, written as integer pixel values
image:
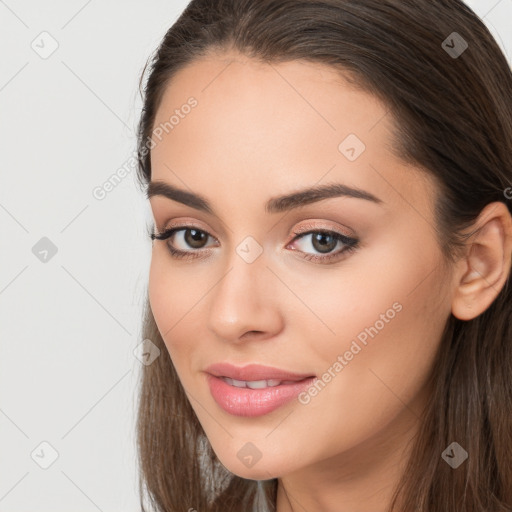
(252, 372)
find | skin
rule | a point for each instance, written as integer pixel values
(263, 130)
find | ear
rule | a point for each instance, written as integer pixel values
(485, 267)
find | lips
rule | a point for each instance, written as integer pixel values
(254, 373)
(254, 390)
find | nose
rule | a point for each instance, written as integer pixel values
(244, 304)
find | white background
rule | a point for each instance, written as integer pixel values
(69, 326)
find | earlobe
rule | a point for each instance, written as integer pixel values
(486, 265)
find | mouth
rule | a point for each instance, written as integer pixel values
(255, 373)
(254, 390)
(258, 384)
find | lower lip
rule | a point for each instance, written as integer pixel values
(254, 402)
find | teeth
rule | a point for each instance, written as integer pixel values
(260, 384)
(252, 384)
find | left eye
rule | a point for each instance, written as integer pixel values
(324, 242)
(321, 241)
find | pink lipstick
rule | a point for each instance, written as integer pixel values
(254, 390)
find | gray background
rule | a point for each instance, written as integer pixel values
(70, 321)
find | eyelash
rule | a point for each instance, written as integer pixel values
(351, 244)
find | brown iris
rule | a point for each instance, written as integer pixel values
(322, 243)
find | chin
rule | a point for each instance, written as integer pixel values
(263, 469)
(254, 473)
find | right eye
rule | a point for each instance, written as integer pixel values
(190, 236)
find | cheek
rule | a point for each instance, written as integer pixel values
(171, 299)
(158, 292)
(394, 289)
(388, 318)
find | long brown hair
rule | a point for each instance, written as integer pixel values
(453, 116)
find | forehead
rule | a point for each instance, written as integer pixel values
(304, 96)
(282, 126)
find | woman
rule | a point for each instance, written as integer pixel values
(330, 182)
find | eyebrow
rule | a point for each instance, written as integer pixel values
(274, 205)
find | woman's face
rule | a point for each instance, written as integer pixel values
(365, 318)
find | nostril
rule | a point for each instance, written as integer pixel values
(250, 334)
